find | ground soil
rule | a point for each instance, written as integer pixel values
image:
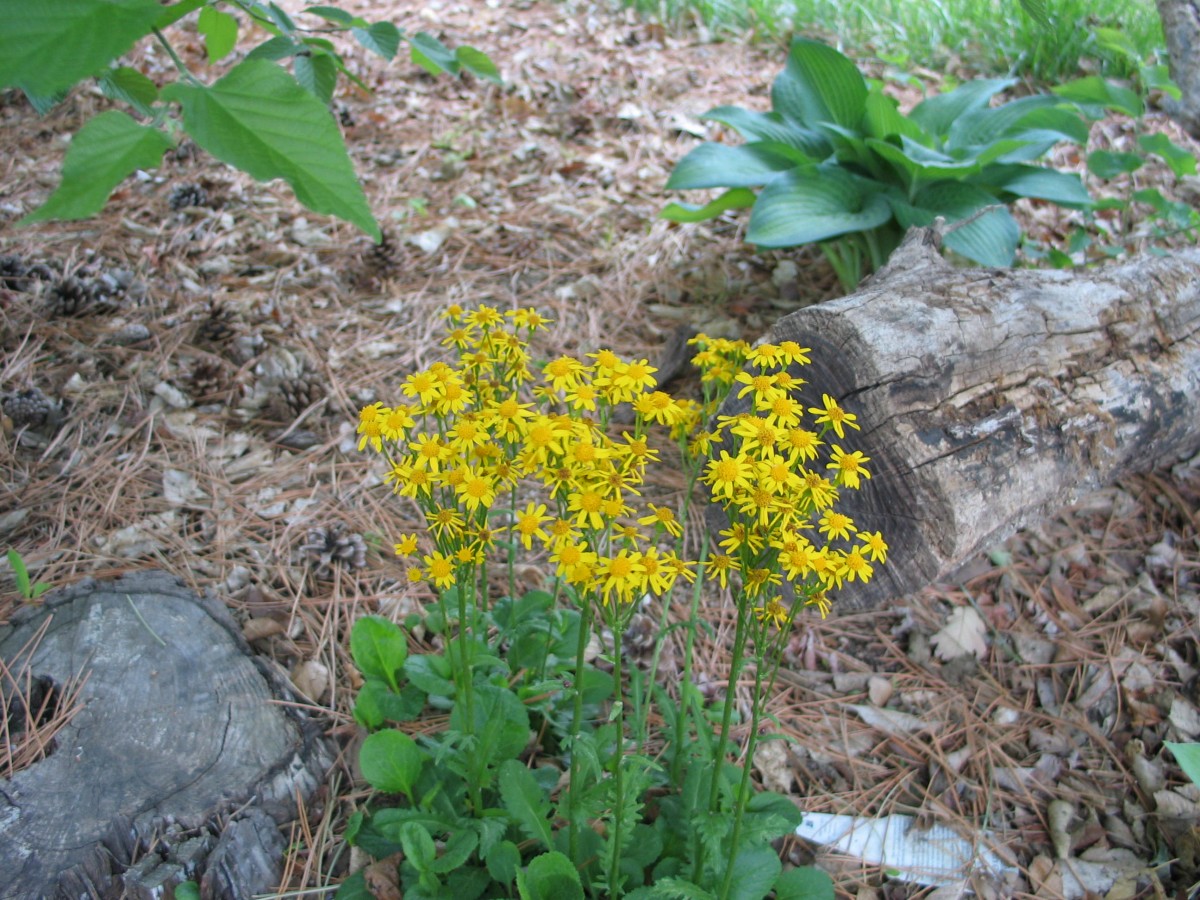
(199, 418)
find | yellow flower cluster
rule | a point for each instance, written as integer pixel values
(468, 433)
(778, 475)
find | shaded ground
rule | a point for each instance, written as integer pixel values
(187, 401)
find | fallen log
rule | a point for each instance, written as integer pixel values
(989, 398)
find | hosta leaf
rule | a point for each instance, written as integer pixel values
(720, 165)
(990, 240)
(757, 126)
(883, 119)
(47, 47)
(814, 204)
(982, 126)
(921, 163)
(1063, 188)
(937, 114)
(260, 120)
(738, 198)
(1097, 91)
(819, 84)
(103, 153)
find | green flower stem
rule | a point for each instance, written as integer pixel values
(466, 675)
(743, 795)
(574, 788)
(179, 64)
(686, 682)
(618, 764)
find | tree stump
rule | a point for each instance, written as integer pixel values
(179, 732)
(989, 398)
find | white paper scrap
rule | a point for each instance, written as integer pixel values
(937, 855)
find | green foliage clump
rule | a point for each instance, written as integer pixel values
(838, 164)
(257, 117)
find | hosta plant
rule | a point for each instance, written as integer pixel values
(835, 162)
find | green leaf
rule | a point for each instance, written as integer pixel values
(20, 573)
(720, 165)
(278, 47)
(1181, 161)
(431, 674)
(503, 861)
(1036, 10)
(279, 17)
(501, 728)
(922, 163)
(1097, 91)
(1159, 78)
(883, 119)
(220, 31)
(131, 86)
(188, 890)
(391, 761)
(379, 648)
(353, 888)
(419, 848)
(677, 889)
(804, 206)
(478, 63)
(1188, 757)
(819, 84)
(47, 47)
(317, 74)
(172, 14)
(432, 55)
(757, 126)
(738, 198)
(754, 871)
(103, 153)
(1063, 188)
(331, 14)
(456, 852)
(260, 120)
(377, 703)
(982, 126)
(990, 240)
(526, 802)
(550, 876)
(804, 883)
(1116, 42)
(43, 104)
(382, 38)
(937, 114)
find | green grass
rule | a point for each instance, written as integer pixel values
(990, 37)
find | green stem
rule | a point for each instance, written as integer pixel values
(574, 788)
(743, 795)
(686, 683)
(618, 766)
(183, 69)
(466, 675)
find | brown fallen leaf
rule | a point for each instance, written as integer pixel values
(964, 633)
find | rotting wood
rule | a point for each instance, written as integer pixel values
(989, 398)
(180, 730)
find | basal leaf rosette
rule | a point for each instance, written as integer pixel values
(778, 470)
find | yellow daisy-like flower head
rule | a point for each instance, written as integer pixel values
(477, 489)
(834, 416)
(874, 545)
(850, 466)
(527, 317)
(407, 545)
(835, 525)
(773, 611)
(728, 474)
(662, 517)
(370, 426)
(439, 570)
(529, 524)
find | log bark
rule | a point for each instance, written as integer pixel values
(989, 398)
(1181, 29)
(180, 734)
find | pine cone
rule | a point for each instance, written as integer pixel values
(385, 256)
(187, 194)
(219, 326)
(28, 409)
(13, 272)
(72, 296)
(299, 393)
(326, 546)
(345, 115)
(206, 381)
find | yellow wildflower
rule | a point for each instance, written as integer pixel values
(849, 466)
(834, 416)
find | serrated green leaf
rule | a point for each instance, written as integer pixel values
(432, 55)
(478, 63)
(331, 14)
(805, 206)
(502, 862)
(391, 761)
(379, 648)
(317, 74)
(937, 114)
(1181, 161)
(738, 198)
(103, 153)
(526, 802)
(260, 120)
(1188, 757)
(47, 47)
(551, 876)
(130, 86)
(220, 31)
(804, 883)
(43, 105)
(278, 47)
(720, 165)
(281, 19)
(382, 38)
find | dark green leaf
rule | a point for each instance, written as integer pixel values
(47, 47)
(103, 153)
(757, 126)
(377, 703)
(130, 86)
(776, 804)
(478, 63)
(720, 165)
(419, 848)
(281, 19)
(317, 74)
(220, 31)
(331, 14)
(188, 890)
(354, 888)
(432, 55)
(260, 120)
(804, 883)
(501, 728)
(819, 84)
(754, 872)
(918, 163)
(382, 38)
(503, 861)
(805, 206)
(278, 47)
(172, 14)
(431, 674)
(982, 126)
(990, 240)
(1063, 188)
(456, 852)
(550, 876)
(738, 198)
(1036, 10)
(43, 104)
(937, 114)
(1181, 161)
(1096, 90)
(378, 647)
(525, 802)
(391, 761)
